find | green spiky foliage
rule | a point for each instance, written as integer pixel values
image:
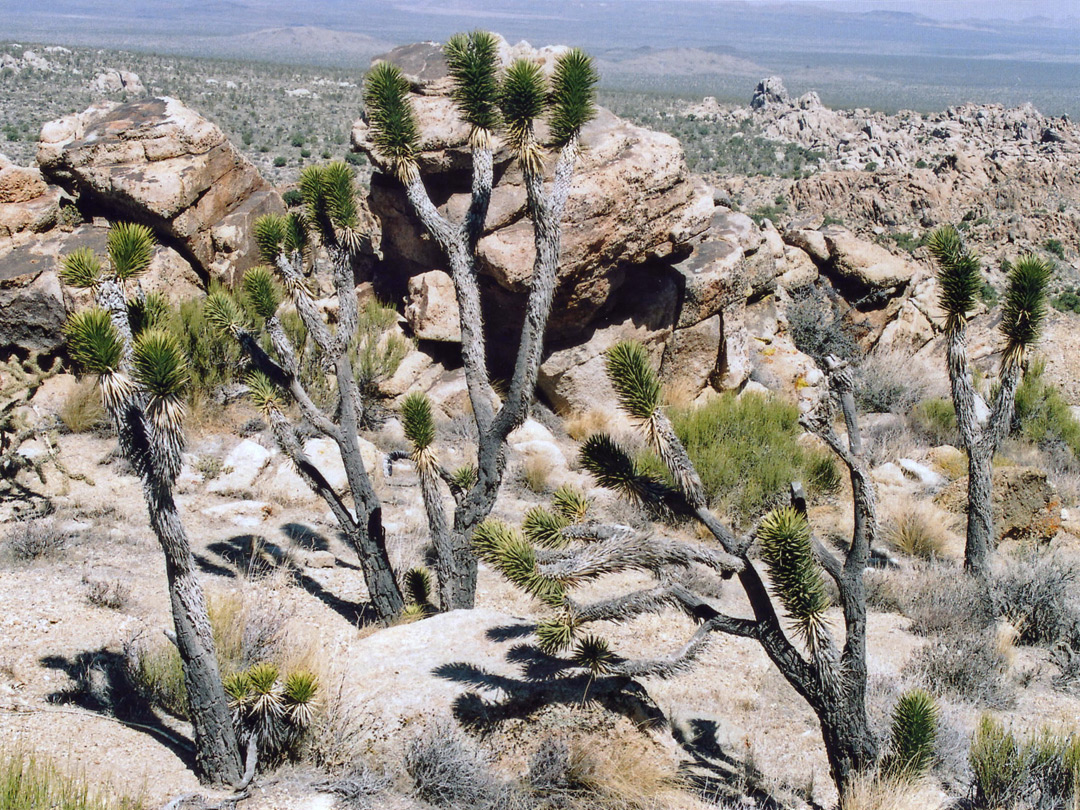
(81, 268)
(571, 503)
(330, 198)
(472, 60)
(238, 692)
(147, 312)
(94, 344)
(299, 695)
(958, 275)
(95, 347)
(523, 99)
(418, 585)
(264, 393)
(262, 291)
(507, 550)
(465, 477)
(394, 131)
(224, 313)
(544, 528)
(265, 694)
(573, 95)
(913, 735)
(417, 420)
(636, 384)
(556, 634)
(797, 578)
(276, 234)
(594, 653)
(160, 367)
(614, 468)
(1023, 309)
(130, 247)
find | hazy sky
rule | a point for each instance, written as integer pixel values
(961, 9)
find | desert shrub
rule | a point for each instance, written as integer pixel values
(816, 323)
(1055, 248)
(1068, 300)
(28, 782)
(449, 772)
(964, 666)
(747, 453)
(82, 411)
(292, 198)
(1041, 771)
(1037, 595)
(888, 383)
(357, 787)
(30, 540)
(935, 420)
(1042, 415)
(213, 361)
(279, 161)
(536, 474)
(938, 599)
(104, 593)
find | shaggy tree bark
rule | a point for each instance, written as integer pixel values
(157, 462)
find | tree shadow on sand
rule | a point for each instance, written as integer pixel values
(710, 769)
(100, 683)
(252, 556)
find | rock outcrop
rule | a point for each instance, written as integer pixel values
(118, 81)
(28, 205)
(159, 162)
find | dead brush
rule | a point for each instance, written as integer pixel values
(38, 539)
(105, 593)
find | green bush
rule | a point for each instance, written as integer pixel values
(1055, 247)
(1068, 300)
(1041, 771)
(279, 161)
(29, 783)
(292, 198)
(935, 418)
(746, 452)
(213, 360)
(1042, 416)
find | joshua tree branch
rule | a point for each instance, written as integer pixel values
(641, 552)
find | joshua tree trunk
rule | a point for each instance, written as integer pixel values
(980, 518)
(217, 754)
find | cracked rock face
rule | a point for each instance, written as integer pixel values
(158, 162)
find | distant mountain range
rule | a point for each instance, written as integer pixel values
(835, 47)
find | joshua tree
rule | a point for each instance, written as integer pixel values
(142, 373)
(490, 104)
(1023, 312)
(508, 104)
(556, 551)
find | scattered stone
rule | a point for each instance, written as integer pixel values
(920, 472)
(241, 467)
(432, 308)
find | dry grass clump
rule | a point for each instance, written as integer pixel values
(918, 529)
(82, 411)
(31, 783)
(579, 426)
(876, 793)
(1041, 770)
(536, 474)
(625, 775)
(449, 772)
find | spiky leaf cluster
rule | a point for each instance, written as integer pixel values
(418, 586)
(573, 95)
(264, 393)
(330, 198)
(418, 421)
(571, 503)
(472, 60)
(147, 312)
(544, 528)
(594, 653)
(796, 575)
(130, 247)
(634, 380)
(300, 693)
(556, 634)
(1023, 310)
(276, 234)
(614, 468)
(913, 735)
(224, 313)
(81, 268)
(465, 477)
(394, 131)
(262, 291)
(523, 99)
(274, 710)
(159, 364)
(958, 275)
(94, 344)
(506, 549)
